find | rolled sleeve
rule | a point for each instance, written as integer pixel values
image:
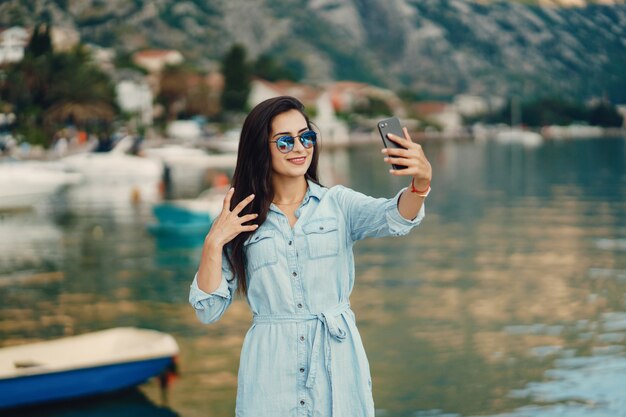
(200, 299)
(398, 225)
(210, 307)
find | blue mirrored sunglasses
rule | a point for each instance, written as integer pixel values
(285, 143)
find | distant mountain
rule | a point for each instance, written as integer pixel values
(434, 47)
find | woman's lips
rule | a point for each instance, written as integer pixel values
(298, 161)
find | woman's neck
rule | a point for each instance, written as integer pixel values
(289, 189)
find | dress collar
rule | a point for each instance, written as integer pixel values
(313, 190)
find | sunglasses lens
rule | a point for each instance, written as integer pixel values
(308, 139)
(285, 144)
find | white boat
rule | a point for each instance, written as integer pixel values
(176, 156)
(574, 131)
(519, 136)
(136, 178)
(78, 366)
(25, 184)
(515, 134)
(187, 167)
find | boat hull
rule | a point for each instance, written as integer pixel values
(64, 385)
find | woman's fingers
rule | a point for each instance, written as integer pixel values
(407, 162)
(406, 134)
(248, 217)
(242, 204)
(229, 195)
(250, 228)
(397, 152)
(400, 140)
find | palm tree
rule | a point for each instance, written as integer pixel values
(79, 92)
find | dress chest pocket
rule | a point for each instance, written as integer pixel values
(322, 237)
(260, 249)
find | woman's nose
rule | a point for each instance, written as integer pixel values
(297, 146)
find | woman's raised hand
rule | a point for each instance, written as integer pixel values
(412, 156)
(229, 224)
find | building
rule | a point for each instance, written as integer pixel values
(154, 60)
(470, 106)
(134, 95)
(441, 113)
(316, 99)
(63, 38)
(347, 96)
(13, 42)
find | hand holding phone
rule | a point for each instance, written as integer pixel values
(391, 125)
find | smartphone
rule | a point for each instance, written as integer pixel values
(391, 125)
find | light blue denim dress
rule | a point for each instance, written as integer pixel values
(303, 355)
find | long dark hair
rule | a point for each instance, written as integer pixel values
(253, 173)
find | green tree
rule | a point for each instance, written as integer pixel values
(605, 114)
(237, 76)
(173, 90)
(268, 68)
(40, 42)
(48, 89)
(79, 93)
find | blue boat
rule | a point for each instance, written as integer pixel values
(86, 365)
(186, 217)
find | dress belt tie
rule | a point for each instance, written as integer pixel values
(326, 319)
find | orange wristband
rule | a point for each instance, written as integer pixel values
(415, 190)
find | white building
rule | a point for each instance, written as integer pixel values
(621, 109)
(13, 41)
(468, 105)
(442, 113)
(332, 129)
(134, 96)
(64, 39)
(154, 60)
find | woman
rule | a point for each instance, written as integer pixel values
(285, 242)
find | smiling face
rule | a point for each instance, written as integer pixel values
(294, 163)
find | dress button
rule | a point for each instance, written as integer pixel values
(321, 228)
(301, 337)
(299, 305)
(301, 402)
(290, 242)
(294, 273)
(301, 369)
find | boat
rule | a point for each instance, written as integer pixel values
(523, 137)
(573, 131)
(185, 157)
(134, 177)
(86, 365)
(227, 142)
(189, 167)
(188, 216)
(25, 184)
(515, 134)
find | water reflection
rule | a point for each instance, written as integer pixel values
(509, 300)
(28, 243)
(130, 403)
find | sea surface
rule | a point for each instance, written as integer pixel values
(509, 299)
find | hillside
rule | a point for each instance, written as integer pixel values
(434, 47)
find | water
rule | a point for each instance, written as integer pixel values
(508, 300)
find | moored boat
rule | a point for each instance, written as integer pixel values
(188, 216)
(78, 366)
(523, 137)
(24, 184)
